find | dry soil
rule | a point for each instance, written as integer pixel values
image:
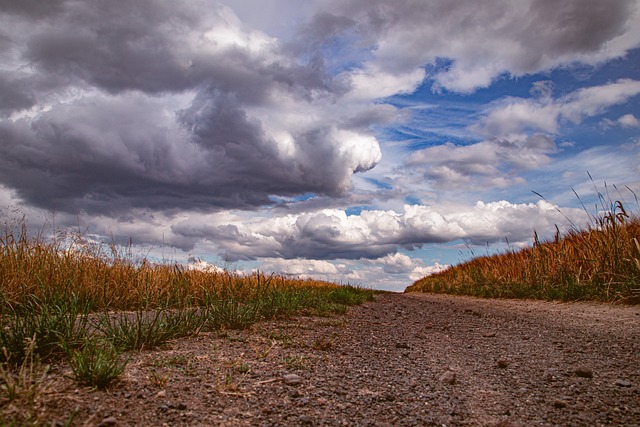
(404, 359)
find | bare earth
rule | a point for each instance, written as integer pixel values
(405, 359)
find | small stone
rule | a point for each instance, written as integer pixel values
(402, 345)
(161, 393)
(489, 334)
(448, 377)
(295, 394)
(292, 379)
(559, 404)
(389, 397)
(622, 383)
(583, 372)
(109, 421)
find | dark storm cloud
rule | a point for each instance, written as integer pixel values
(113, 156)
(31, 8)
(16, 94)
(111, 81)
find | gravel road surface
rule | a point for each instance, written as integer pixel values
(404, 359)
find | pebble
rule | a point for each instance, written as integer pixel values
(389, 397)
(109, 421)
(559, 404)
(179, 406)
(305, 420)
(292, 379)
(502, 363)
(622, 383)
(584, 372)
(448, 377)
(550, 375)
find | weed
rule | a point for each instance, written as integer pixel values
(263, 351)
(149, 329)
(323, 343)
(286, 340)
(97, 363)
(158, 379)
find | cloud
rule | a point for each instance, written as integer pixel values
(396, 263)
(315, 269)
(420, 272)
(489, 163)
(629, 121)
(491, 39)
(155, 105)
(332, 234)
(543, 113)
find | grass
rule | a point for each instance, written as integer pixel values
(86, 305)
(598, 263)
(97, 363)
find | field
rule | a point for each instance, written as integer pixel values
(89, 305)
(598, 263)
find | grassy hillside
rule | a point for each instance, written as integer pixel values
(599, 263)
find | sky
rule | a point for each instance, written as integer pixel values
(367, 142)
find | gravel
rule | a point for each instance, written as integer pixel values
(402, 360)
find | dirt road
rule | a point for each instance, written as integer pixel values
(406, 360)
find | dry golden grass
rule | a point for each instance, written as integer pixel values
(107, 280)
(600, 263)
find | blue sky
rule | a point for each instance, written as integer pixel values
(369, 142)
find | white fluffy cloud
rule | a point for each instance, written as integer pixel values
(629, 121)
(332, 234)
(543, 114)
(420, 272)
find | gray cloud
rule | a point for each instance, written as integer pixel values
(486, 164)
(484, 40)
(114, 156)
(162, 106)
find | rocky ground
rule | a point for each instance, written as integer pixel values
(405, 359)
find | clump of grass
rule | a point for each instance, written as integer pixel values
(147, 329)
(26, 379)
(598, 263)
(97, 363)
(50, 324)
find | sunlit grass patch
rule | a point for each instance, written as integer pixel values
(598, 263)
